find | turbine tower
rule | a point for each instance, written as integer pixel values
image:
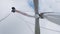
(37, 26)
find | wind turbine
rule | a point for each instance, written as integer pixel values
(37, 26)
(47, 15)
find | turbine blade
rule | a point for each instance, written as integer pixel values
(36, 6)
(48, 12)
(53, 18)
(55, 15)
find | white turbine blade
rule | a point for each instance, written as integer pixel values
(53, 17)
(51, 12)
(47, 12)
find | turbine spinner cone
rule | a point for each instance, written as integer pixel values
(41, 15)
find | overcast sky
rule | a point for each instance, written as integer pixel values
(20, 24)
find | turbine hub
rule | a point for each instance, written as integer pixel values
(41, 15)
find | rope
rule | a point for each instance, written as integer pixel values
(4, 17)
